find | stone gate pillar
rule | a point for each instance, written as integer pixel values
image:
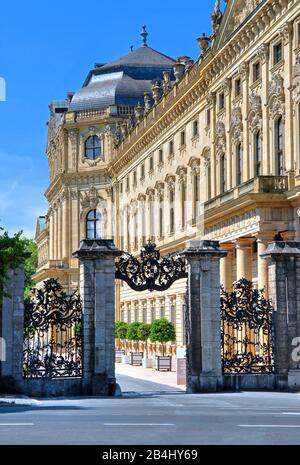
(203, 322)
(13, 332)
(97, 290)
(284, 291)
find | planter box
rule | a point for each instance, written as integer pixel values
(118, 355)
(125, 359)
(136, 358)
(147, 362)
(163, 363)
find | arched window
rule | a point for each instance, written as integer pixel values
(183, 206)
(223, 174)
(257, 154)
(161, 218)
(279, 147)
(92, 148)
(239, 164)
(173, 314)
(93, 225)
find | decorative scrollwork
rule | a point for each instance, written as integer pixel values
(246, 332)
(52, 333)
(150, 272)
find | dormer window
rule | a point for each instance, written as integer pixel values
(92, 148)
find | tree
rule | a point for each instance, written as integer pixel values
(162, 331)
(132, 333)
(121, 331)
(143, 334)
(119, 324)
(30, 265)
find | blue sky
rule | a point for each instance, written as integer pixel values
(46, 50)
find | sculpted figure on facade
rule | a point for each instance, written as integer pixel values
(276, 100)
(220, 139)
(255, 112)
(236, 127)
(296, 81)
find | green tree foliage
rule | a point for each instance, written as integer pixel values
(121, 330)
(144, 332)
(162, 331)
(132, 333)
(16, 251)
(30, 264)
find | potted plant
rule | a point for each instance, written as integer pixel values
(144, 334)
(163, 331)
(132, 335)
(121, 332)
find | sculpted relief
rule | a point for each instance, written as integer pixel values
(244, 10)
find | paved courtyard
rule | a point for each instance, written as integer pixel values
(153, 413)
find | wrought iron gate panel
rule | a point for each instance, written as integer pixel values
(53, 333)
(246, 330)
(150, 271)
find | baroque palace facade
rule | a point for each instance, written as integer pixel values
(172, 150)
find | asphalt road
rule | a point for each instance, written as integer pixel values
(153, 414)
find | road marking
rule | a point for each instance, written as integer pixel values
(16, 424)
(269, 426)
(290, 413)
(138, 424)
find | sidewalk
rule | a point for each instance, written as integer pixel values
(166, 378)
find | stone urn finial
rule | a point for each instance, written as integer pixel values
(179, 69)
(203, 43)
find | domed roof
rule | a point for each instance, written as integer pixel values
(122, 82)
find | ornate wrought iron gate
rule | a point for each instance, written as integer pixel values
(246, 330)
(150, 271)
(52, 333)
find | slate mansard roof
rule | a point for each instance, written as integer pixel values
(122, 82)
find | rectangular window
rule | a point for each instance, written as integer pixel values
(136, 314)
(144, 314)
(162, 311)
(121, 188)
(142, 171)
(134, 178)
(171, 212)
(238, 87)
(153, 313)
(127, 184)
(182, 138)
(208, 118)
(151, 164)
(195, 128)
(256, 71)
(129, 316)
(160, 156)
(257, 147)
(221, 101)
(223, 174)
(239, 165)
(173, 314)
(277, 53)
(171, 147)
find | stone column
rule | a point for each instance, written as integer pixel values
(284, 276)
(244, 258)
(13, 331)
(226, 265)
(263, 240)
(203, 316)
(97, 290)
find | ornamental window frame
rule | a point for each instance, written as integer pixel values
(84, 137)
